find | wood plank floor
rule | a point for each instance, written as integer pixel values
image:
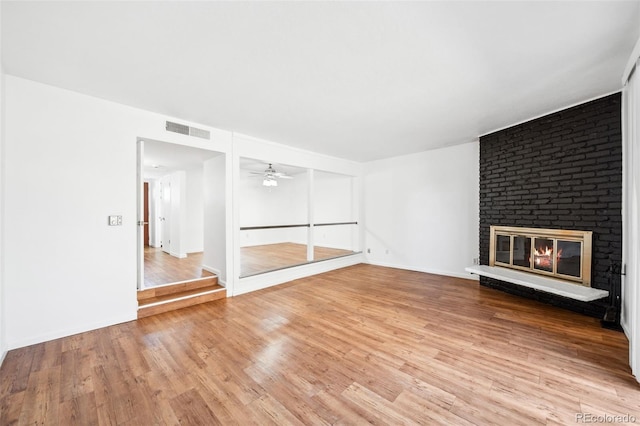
(162, 268)
(268, 257)
(363, 344)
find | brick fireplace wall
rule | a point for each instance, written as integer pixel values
(561, 171)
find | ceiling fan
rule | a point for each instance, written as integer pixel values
(271, 176)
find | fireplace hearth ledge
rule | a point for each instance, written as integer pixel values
(549, 285)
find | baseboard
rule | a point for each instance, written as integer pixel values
(45, 337)
(2, 356)
(212, 270)
(217, 273)
(625, 329)
(178, 255)
(465, 276)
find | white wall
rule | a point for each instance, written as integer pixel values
(178, 222)
(194, 226)
(3, 334)
(66, 271)
(214, 258)
(422, 210)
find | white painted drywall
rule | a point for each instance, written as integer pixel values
(66, 271)
(3, 334)
(178, 213)
(422, 210)
(214, 258)
(194, 200)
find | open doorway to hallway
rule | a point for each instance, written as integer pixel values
(176, 186)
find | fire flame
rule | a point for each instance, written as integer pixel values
(543, 256)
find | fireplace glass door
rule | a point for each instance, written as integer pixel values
(543, 256)
(559, 253)
(569, 258)
(522, 251)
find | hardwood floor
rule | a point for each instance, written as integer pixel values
(268, 257)
(162, 268)
(363, 344)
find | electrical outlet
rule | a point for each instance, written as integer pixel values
(476, 261)
(115, 220)
(369, 251)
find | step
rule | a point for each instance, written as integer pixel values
(177, 287)
(178, 296)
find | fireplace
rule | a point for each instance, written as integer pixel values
(555, 253)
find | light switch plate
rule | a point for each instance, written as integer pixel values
(115, 220)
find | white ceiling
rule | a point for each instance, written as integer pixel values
(357, 80)
(162, 158)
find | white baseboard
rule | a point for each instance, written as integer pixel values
(211, 269)
(217, 273)
(178, 255)
(2, 356)
(625, 328)
(45, 337)
(464, 275)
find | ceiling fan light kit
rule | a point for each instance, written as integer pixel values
(271, 176)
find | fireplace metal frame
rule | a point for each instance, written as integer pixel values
(584, 237)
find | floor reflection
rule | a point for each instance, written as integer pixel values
(257, 259)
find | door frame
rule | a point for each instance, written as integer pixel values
(140, 149)
(140, 213)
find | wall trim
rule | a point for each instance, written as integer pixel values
(465, 276)
(216, 272)
(45, 337)
(633, 59)
(625, 328)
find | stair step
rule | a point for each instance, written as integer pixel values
(174, 296)
(178, 287)
(179, 303)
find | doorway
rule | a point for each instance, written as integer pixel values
(173, 184)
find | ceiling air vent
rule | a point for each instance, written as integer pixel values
(199, 133)
(187, 130)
